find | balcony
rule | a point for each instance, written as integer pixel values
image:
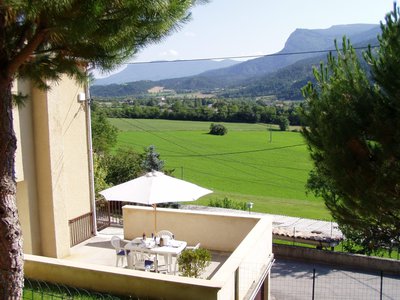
(241, 248)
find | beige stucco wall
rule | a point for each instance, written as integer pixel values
(120, 281)
(193, 226)
(25, 172)
(249, 237)
(237, 278)
(19, 171)
(251, 258)
(54, 159)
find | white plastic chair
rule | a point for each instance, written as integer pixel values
(162, 233)
(170, 236)
(119, 250)
(130, 255)
(138, 257)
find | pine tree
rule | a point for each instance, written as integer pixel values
(41, 40)
(353, 133)
(152, 161)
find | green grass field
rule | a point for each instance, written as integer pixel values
(250, 163)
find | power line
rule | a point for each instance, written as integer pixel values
(213, 156)
(235, 180)
(206, 156)
(243, 56)
(233, 153)
(188, 149)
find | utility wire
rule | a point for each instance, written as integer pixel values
(230, 57)
(209, 156)
(243, 56)
(233, 153)
(189, 149)
(236, 180)
(206, 156)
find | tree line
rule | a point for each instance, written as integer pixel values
(214, 110)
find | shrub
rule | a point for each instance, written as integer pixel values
(218, 129)
(193, 262)
(228, 203)
(283, 123)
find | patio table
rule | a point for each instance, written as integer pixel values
(173, 248)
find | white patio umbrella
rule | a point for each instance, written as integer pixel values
(155, 187)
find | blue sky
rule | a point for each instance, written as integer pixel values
(224, 28)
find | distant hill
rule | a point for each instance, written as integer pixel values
(301, 40)
(282, 74)
(163, 70)
(286, 83)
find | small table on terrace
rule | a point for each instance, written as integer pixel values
(173, 248)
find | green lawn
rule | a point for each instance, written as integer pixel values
(250, 163)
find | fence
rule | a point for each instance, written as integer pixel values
(109, 213)
(80, 229)
(42, 290)
(35, 289)
(102, 214)
(298, 281)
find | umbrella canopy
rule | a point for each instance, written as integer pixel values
(155, 187)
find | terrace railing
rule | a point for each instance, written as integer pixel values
(80, 228)
(109, 213)
(102, 214)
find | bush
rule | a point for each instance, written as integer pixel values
(283, 123)
(218, 129)
(228, 203)
(193, 262)
(122, 166)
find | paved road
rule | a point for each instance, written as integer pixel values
(294, 280)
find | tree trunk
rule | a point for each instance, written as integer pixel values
(11, 257)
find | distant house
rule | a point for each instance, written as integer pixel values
(52, 166)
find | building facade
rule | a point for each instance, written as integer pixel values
(52, 165)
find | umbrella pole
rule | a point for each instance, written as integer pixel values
(155, 218)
